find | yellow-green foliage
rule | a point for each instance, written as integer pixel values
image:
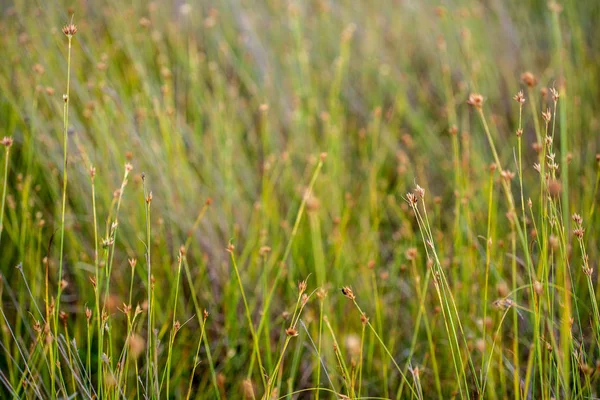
(299, 199)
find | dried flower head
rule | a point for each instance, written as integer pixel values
(519, 97)
(291, 332)
(519, 132)
(578, 232)
(547, 115)
(346, 291)
(420, 191)
(554, 187)
(70, 30)
(411, 253)
(137, 345)
(508, 175)
(476, 100)
(7, 141)
(555, 94)
(302, 286)
(411, 199)
(363, 318)
(529, 79)
(577, 219)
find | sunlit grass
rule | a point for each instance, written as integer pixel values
(279, 200)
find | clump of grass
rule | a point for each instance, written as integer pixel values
(299, 135)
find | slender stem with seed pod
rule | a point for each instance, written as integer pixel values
(69, 30)
(7, 147)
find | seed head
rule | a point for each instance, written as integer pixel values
(555, 94)
(519, 97)
(291, 332)
(411, 253)
(529, 79)
(519, 132)
(7, 141)
(554, 187)
(476, 100)
(577, 219)
(411, 199)
(420, 191)
(364, 319)
(346, 291)
(507, 175)
(302, 286)
(137, 344)
(578, 232)
(70, 30)
(547, 115)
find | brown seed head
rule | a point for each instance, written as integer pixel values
(519, 132)
(70, 30)
(529, 79)
(420, 191)
(475, 100)
(291, 332)
(411, 199)
(578, 232)
(507, 175)
(7, 141)
(547, 115)
(302, 286)
(264, 250)
(554, 187)
(555, 94)
(411, 253)
(364, 319)
(519, 97)
(38, 69)
(137, 345)
(63, 316)
(321, 293)
(577, 219)
(88, 313)
(346, 291)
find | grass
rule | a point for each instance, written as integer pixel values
(282, 200)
